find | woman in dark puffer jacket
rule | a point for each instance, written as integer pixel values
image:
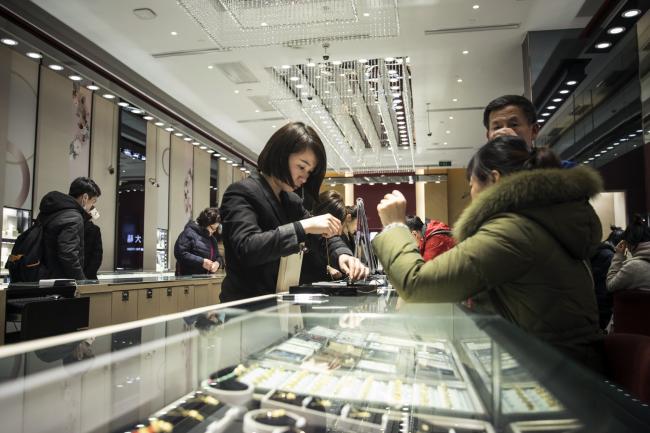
(196, 249)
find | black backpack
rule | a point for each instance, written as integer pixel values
(24, 263)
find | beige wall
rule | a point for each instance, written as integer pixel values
(225, 178)
(611, 210)
(181, 160)
(53, 134)
(201, 180)
(457, 188)
(5, 70)
(103, 153)
(436, 201)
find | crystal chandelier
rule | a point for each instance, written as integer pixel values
(362, 109)
(257, 23)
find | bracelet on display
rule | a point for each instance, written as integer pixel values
(393, 225)
(156, 426)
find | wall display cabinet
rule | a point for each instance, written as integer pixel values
(162, 264)
(307, 363)
(14, 222)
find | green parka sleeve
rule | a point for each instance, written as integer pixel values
(499, 252)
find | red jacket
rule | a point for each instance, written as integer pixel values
(437, 239)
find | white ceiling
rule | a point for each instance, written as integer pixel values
(493, 66)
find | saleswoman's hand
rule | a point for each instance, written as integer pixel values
(326, 225)
(621, 247)
(215, 267)
(353, 267)
(392, 208)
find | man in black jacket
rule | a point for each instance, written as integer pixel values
(63, 219)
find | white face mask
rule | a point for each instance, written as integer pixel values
(94, 213)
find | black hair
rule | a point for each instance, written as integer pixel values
(292, 138)
(84, 185)
(353, 211)
(414, 223)
(332, 203)
(507, 155)
(636, 232)
(615, 236)
(208, 216)
(501, 102)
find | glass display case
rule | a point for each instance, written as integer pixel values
(14, 222)
(161, 250)
(312, 363)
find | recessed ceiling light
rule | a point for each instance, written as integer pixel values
(242, 169)
(311, 64)
(394, 87)
(546, 114)
(92, 87)
(195, 143)
(56, 67)
(217, 154)
(631, 13)
(174, 33)
(210, 66)
(294, 78)
(454, 100)
(169, 129)
(591, 159)
(465, 52)
(263, 24)
(272, 126)
(564, 91)
(557, 100)
(8, 41)
(235, 165)
(236, 91)
(187, 138)
(459, 80)
(123, 104)
(616, 144)
(401, 127)
(401, 122)
(147, 117)
(366, 14)
(400, 117)
(616, 30)
(178, 134)
(475, 7)
(392, 80)
(571, 83)
(229, 161)
(631, 135)
(286, 66)
(362, 60)
(210, 151)
(203, 147)
(390, 59)
(299, 86)
(223, 158)
(451, 117)
(551, 107)
(541, 120)
(603, 45)
(108, 96)
(33, 55)
(336, 62)
(159, 124)
(448, 132)
(445, 143)
(610, 147)
(136, 111)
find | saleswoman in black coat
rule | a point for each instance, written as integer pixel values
(196, 248)
(264, 219)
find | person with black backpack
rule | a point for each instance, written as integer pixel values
(54, 246)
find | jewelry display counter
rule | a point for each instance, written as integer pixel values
(292, 363)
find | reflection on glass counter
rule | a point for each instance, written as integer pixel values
(161, 250)
(287, 364)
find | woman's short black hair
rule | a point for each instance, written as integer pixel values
(413, 222)
(636, 232)
(332, 203)
(615, 236)
(84, 185)
(294, 137)
(353, 211)
(208, 216)
(507, 155)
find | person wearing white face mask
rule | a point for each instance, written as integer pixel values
(63, 216)
(93, 251)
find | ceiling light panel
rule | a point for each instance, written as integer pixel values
(256, 23)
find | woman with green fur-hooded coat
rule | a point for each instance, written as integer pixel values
(523, 246)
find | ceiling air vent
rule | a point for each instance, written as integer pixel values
(442, 31)
(262, 102)
(237, 72)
